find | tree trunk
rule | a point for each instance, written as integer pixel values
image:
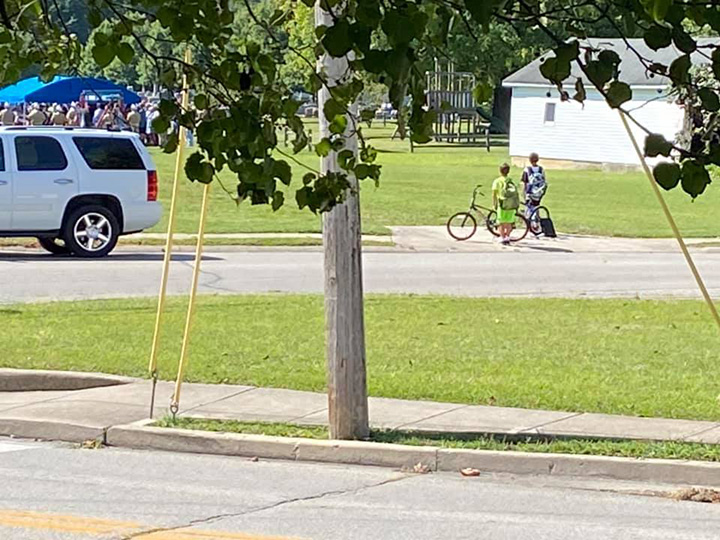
(344, 324)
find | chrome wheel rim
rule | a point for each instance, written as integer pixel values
(92, 231)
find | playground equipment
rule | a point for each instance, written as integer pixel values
(450, 95)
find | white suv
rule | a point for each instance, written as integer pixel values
(76, 190)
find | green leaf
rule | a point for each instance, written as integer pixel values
(333, 108)
(710, 100)
(323, 147)
(683, 41)
(695, 178)
(580, 93)
(338, 124)
(482, 93)
(367, 115)
(609, 57)
(337, 41)
(599, 73)
(667, 175)
(125, 53)
(160, 124)
(282, 171)
(278, 200)
(679, 70)
(658, 37)
(618, 93)
(94, 17)
(103, 54)
(362, 171)
(199, 170)
(657, 145)
(567, 52)
(346, 159)
(252, 49)
(201, 102)
(171, 144)
(660, 9)
(555, 70)
(308, 178)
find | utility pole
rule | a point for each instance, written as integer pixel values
(344, 319)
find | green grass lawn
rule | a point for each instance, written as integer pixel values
(426, 187)
(645, 358)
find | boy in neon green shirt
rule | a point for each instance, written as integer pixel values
(505, 206)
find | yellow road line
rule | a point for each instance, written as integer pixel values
(98, 527)
(192, 534)
(64, 523)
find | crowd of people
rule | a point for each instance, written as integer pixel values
(137, 118)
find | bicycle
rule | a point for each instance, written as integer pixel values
(463, 225)
(534, 215)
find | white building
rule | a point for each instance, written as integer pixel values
(568, 134)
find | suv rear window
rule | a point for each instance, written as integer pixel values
(108, 153)
(39, 154)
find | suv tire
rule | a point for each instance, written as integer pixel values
(91, 231)
(51, 245)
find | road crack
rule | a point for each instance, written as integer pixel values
(138, 535)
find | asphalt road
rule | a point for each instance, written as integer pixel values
(31, 276)
(50, 491)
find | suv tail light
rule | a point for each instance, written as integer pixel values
(152, 186)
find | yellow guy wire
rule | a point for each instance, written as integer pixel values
(670, 219)
(152, 368)
(175, 403)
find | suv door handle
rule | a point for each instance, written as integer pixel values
(63, 181)
(3, 182)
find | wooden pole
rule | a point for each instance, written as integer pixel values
(344, 323)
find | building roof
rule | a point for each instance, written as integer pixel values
(632, 70)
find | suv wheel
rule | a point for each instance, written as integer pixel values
(52, 245)
(91, 231)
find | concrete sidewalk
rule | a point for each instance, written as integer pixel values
(78, 415)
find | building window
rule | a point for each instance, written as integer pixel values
(550, 113)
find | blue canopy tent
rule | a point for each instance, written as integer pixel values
(64, 90)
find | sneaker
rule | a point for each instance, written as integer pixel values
(505, 242)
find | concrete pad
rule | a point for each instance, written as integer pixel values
(10, 400)
(264, 404)
(138, 394)
(388, 413)
(21, 380)
(98, 414)
(708, 436)
(624, 427)
(485, 419)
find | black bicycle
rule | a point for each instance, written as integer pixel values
(463, 225)
(534, 216)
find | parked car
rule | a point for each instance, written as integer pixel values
(75, 190)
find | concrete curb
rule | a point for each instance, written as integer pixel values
(142, 436)
(49, 430)
(26, 380)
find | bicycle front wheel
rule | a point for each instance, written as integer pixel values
(534, 219)
(461, 226)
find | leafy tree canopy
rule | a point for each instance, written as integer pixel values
(241, 47)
